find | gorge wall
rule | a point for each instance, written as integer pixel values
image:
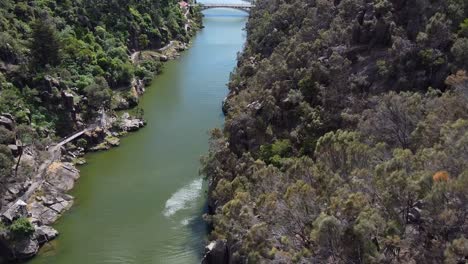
(345, 134)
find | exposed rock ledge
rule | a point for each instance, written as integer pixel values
(45, 198)
(43, 208)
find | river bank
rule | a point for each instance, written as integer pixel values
(44, 198)
(142, 202)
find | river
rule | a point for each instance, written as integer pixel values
(143, 201)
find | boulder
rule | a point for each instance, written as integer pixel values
(45, 234)
(225, 106)
(7, 122)
(59, 207)
(62, 175)
(68, 101)
(130, 124)
(256, 105)
(121, 104)
(15, 211)
(26, 248)
(14, 189)
(113, 141)
(15, 149)
(52, 82)
(216, 252)
(163, 58)
(181, 48)
(43, 214)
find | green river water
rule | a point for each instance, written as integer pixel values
(143, 201)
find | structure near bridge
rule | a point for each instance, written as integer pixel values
(244, 7)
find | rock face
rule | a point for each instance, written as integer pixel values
(45, 234)
(62, 175)
(217, 252)
(225, 106)
(45, 196)
(131, 124)
(26, 248)
(7, 122)
(121, 104)
(16, 211)
(47, 208)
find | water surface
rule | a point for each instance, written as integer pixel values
(142, 202)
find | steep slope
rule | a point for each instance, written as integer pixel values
(345, 135)
(66, 67)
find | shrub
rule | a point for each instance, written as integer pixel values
(6, 136)
(21, 227)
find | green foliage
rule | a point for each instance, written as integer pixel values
(45, 45)
(273, 153)
(21, 227)
(98, 94)
(82, 143)
(6, 136)
(47, 48)
(460, 51)
(463, 32)
(26, 134)
(6, 162)
(354, 105)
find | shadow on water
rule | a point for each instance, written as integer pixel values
(197, 226)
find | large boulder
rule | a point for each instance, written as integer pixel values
(121, 103)
(217, 252)
(15, 211)
(26, 248)
(68, 101)
(7, 122)
(225, 105)
(52, 82)
(62, 175)
(45, 234)
(131, 124)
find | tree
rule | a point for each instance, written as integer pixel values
(460, 51)
(393, 119)
(6, 136)
(6, 162)
(45, 44)
(98, 94)
(26, 135)
(327, 233)
(457, 251)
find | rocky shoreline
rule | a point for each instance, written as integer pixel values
(43, 198)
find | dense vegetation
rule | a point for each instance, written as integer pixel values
(82, 47)
(346, 133)
(62, 62)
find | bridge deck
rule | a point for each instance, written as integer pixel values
(222, 5)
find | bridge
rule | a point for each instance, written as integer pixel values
(244, 7)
